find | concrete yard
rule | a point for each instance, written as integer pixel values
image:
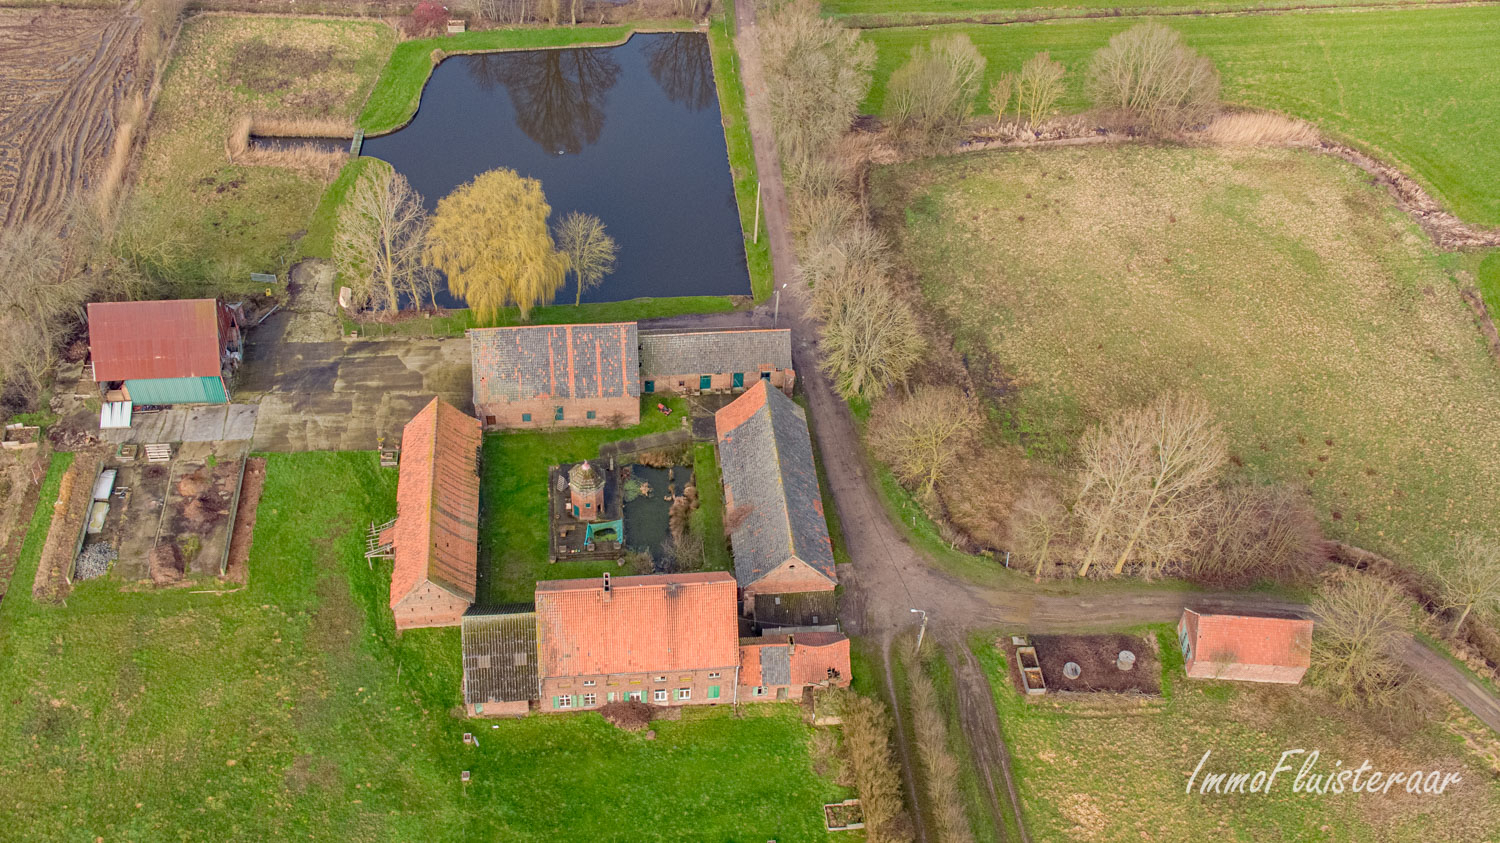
(188, 423)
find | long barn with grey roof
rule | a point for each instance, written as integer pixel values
(774, 509)
(556, 375)
(716, 361)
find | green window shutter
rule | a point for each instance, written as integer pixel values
(555, 701)
(557, 413)
(713, 692)
(590, 414)
(525, 417)
(739, 379)
(706, 382)
(650, 386)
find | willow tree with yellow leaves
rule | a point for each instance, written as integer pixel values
(490, 237)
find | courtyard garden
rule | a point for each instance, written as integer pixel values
(513, 517)
(290, 708)
(1417, 87)
(1315, 318)
(1117, 766)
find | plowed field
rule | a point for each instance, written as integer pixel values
(63, 74)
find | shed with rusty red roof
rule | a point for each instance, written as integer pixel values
(665, 639)
(1248, 648)
(164, 352)
(779, 667)
(435, 541)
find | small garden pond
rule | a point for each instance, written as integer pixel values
(648, 507)
(631, 134)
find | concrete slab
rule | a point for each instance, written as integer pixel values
(239, 424)
(204, 424)
(216, 423)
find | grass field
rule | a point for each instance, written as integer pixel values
(1307, 310)
(1117, 769)
(882, 13)
(1418, 87)
(289, 709)
(223, 221)
(513, 518)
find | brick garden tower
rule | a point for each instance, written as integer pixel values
(586, 491)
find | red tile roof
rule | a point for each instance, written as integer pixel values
(811, 657)
(132, 340)
(436, 536)
(1252, 640)
(738, 411)
(662, 622)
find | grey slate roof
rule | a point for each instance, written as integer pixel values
(556, 361)
(715, 352)
(775, 666)
(767, 461)
(500, 655)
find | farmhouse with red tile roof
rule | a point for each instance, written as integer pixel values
(435, 541)
(1248, 648)
(556, 375)
(664, 639)
(774, 511)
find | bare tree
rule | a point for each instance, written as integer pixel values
(591, 252)
(1361, 627)
(1254, 532)
(1147, 71)
(817, 74)
(1039, 86)
(1037, 519)
(1471, 578)
(933, 93)
(1145, 478)
(378, 244)
(922, 436)
(871, 339)
(1001, 94)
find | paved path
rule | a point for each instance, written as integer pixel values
(891, 577)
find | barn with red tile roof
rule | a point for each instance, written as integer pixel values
(556, 375)
(774, 510)
(779, 667)
(435, 541)
(164, 352)
(665, 639)
(1248, 648)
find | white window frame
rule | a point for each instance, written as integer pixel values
(714, 674)
(758, 691)
(589, 700)
(684, 693)
(659, 695)
(588, 683)
(659, 679)
(565, 701)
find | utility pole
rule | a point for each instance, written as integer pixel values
(776, 318)
(923, 630)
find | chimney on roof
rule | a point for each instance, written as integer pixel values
(606, 585)
(791, 646)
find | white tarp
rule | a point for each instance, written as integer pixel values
(105, 484)
(115, 414)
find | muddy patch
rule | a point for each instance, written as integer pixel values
(1096, 656)
(237, 569)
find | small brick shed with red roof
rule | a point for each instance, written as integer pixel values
(1247, 648)
(435, 541)
(778, 667)
(665, 639)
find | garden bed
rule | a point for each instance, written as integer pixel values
(1096, 656)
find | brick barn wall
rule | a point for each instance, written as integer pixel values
(782, 379)
(791, 577)
(428, 605)
(499, 416)
(697, 681)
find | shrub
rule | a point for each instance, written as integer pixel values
(428, 18)
(933, 93)
(1148, 72)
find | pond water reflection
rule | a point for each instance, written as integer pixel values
(631, 134)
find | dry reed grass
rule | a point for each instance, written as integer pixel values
(867, 739)
(1259, 128)
(939, 765)
(306, 159)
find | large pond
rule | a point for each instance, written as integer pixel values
(630, 134)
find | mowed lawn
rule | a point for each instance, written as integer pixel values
(1117, 768)
(1419, 87)
(290, 709)
(201, 222)
(1279, 285)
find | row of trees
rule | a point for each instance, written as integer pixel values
(818, 73)
(490, 237)
(1145, 74)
